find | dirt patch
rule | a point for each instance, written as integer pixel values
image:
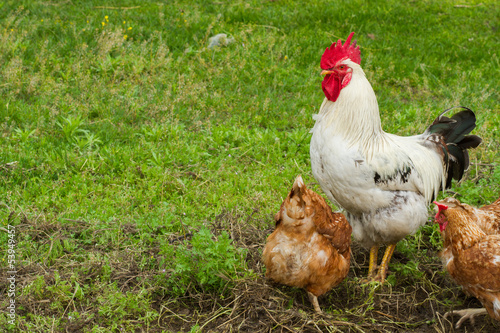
(412, 304)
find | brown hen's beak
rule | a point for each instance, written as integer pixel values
(326, 72)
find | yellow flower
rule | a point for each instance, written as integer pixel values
(106, 18)
(286, 57)
(103, 24)
(124, 22)
(129, 28)
(87, 21)
(125, 36)
(41, 20)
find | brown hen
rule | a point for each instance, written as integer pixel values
(471, 252)
(486, 217)
(310, 247)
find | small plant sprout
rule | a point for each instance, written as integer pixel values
(23, 134)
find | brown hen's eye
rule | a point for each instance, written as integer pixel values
(341, 66)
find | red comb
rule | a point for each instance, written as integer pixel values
(441, 207)
(338, 52)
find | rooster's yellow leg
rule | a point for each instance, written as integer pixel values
(373, 261)
(384, 265)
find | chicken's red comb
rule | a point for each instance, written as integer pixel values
(338, 52)
(441, 207)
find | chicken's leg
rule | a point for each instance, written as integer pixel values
(314, 301)
(384, 265)
(372, 265)
(373, 261)
(466, 314)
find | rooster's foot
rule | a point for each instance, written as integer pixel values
(369, 279)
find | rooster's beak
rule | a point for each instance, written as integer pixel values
(326, 72)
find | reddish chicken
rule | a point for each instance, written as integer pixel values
(384, 182)
(471, 252)
(310, 247)
(487, 218)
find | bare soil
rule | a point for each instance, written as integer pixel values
(413, 304)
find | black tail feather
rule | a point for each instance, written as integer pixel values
(470, 141)
(458, 162)
(453, 133)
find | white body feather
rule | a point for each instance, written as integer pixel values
(383, 181)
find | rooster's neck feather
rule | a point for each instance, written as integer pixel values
(355, 113)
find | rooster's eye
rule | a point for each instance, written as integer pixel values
(341, 67)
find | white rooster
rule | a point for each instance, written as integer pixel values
(383, 181)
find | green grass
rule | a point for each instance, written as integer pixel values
(122, 135)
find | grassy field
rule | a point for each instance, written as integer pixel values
(141, 169)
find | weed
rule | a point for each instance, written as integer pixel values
(70, 127)
(87, 142)
(206, 263)
(408, 270)
(118, 309)
(195, 329)
(23, 134)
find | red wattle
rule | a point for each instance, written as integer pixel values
(331, 87)
(442, 226)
